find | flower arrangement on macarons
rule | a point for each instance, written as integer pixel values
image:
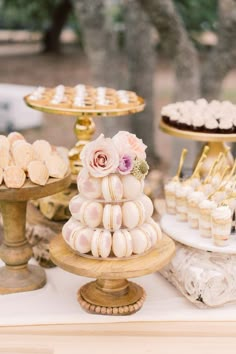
(124, 154)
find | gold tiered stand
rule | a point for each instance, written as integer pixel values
(56, 207)
(216, 143)
(84, 126)
(111, 293)
(17, 275)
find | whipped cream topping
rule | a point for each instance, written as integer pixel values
(207, 204)
(201, 113)
(171, 186)
(196, 197)
(183, 191)
(221, 213)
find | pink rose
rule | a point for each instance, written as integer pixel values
(100, 157)
(128, 144)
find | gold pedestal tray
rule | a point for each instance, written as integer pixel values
(111, 293)
(84, 126)
(216, 143)
(17, 275)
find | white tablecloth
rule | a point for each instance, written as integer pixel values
(56, 303)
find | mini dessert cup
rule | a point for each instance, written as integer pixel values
(193, 201)
(170, 189)
(205, 209)
(181, 202)
(221, 223)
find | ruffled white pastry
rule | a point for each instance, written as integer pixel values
(198, 121)
(226, 124)
(211, 124)
(202, 102)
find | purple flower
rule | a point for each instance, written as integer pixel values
(126, 164)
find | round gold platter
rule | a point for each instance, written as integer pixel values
(197, 136)
(111, 112)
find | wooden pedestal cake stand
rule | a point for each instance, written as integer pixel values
(111, 293)
(216, 143)
(17, 275)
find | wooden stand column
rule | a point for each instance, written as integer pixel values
(15, 252)
(17, 275)
(111, 293)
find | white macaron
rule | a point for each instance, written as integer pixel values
(112, 188)
(112, 217)
(69, 227)
(141, 240)
(148, 205)
(156, 227)
(75, 205)
(82, 242)
(91, 213)
(101, 243)
(132, 187)
(89, 186)
(133, 214)
(122, 243)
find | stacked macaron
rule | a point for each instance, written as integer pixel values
(111, 216)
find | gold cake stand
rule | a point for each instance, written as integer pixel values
(56, 207)
(17, 275)
(216, 143)
(111, 293)
(84, 125)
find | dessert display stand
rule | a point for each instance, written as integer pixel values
(216, 143)
(111, 293)
(56, 207)
(204, 273)
(84, 126)
(17, 275)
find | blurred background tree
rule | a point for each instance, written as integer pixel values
(123, 40)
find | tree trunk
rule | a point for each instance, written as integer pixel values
(104, 55)
(223, 57)
(141, 68)
(174, 38)
(60, 15)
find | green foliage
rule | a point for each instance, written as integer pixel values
(31, 14)
(198, 15)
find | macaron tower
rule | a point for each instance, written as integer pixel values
(111, 216)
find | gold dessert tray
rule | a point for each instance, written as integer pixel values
(216, 143)
(84, 126)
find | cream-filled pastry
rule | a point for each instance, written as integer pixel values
(122, 243)
(112, 217)
(112, 188)
(91, 213)
(42, 148)
(132, 187)
(90, 187)
(101, 243)
(133, 214)
(14, 177)
(57, 167)
(23, 154)
(38, 172)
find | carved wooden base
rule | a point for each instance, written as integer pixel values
(111, 294)
(21, 279)
(111, 297)
(206, 279)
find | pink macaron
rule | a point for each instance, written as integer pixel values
(89, 186)
(132, 187)
(75, 205)
(91, 213)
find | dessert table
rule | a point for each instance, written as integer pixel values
(50, 320)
